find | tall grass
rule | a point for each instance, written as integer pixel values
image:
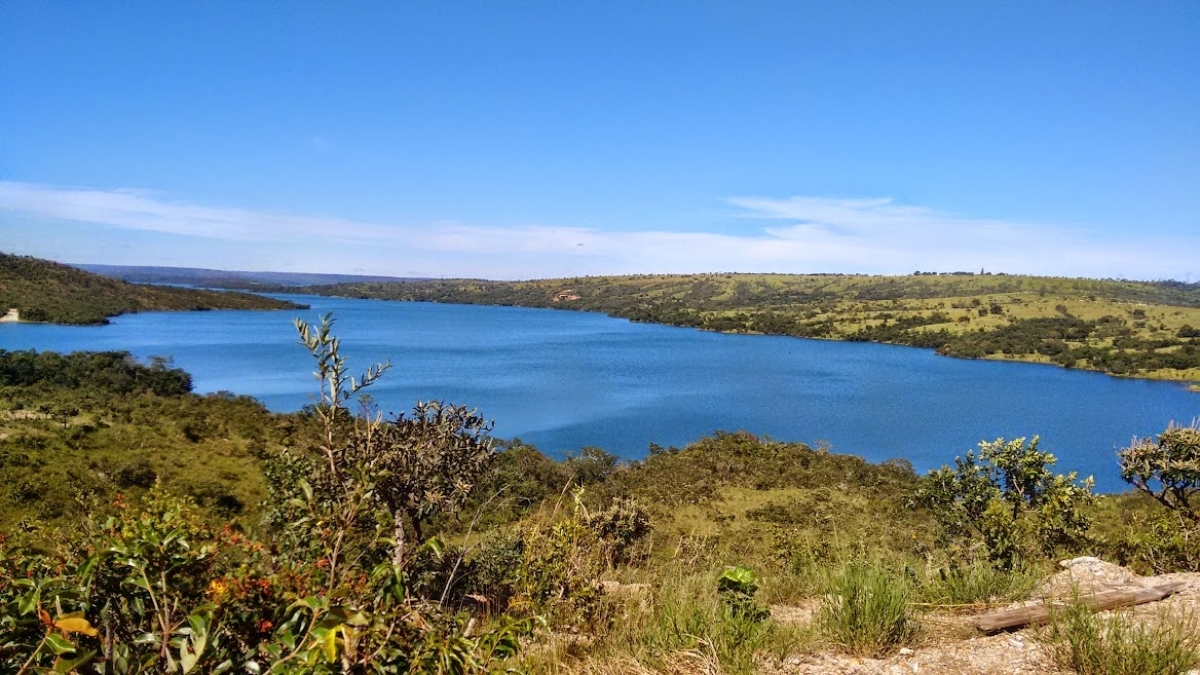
(976, 583)
(682, 619)
(1082, 641)
(866, 610)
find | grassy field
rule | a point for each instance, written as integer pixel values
(1128, 328)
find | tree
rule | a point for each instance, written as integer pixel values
(414, 468)
(423, 465)
(1006, 497)
(1167, 469)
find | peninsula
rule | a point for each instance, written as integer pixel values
(33, 289)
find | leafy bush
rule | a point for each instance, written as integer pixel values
(1167, 469)
(1155, 543)
(620, 527)
(736, 588)
(1010, 500)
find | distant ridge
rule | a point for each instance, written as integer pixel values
(197, 276)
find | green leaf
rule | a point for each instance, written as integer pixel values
(308, 491)
(252, 667)
(29, 601)
(138, 581)
(59, 644)
(357, 619)
(67, 665)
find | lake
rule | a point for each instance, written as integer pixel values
(562, 380)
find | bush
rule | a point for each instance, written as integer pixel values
(1167, 469)
(866, 610)
(1080, 640)
(1010, 500)
(1156, 543)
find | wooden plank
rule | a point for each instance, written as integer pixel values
(1036, 614)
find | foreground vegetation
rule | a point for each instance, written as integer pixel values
(1133, 328)
(46, 291)
(148, 529)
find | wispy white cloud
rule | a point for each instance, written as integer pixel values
(798, 234)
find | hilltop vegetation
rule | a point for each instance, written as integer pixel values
(1133, 328)
(79, 429)
(147, 529)
(47, 291)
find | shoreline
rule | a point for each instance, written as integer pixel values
(1189, 384)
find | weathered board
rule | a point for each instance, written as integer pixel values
(994, 622)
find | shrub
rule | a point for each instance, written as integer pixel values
(1156, 543)
(736, 588)
(1082, 641)
(620, 527)
(1010, 500)
(866, 610)
(1167, 469)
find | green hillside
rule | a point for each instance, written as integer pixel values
(131, 504)
(142, 521)
(41, 290)
(1132, 328)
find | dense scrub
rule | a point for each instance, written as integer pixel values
(83, 428)
(51, 292)
(1119, 327)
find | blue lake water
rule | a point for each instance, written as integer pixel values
(562, 380)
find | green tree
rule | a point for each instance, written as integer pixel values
(1009, 497)
(1167, 468)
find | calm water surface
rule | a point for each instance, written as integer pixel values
(562, 380)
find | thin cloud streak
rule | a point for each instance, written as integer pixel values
(799, 234)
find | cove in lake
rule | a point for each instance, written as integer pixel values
(562, 380)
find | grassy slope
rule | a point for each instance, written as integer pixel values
(208, 447)
(47, 291)
(1120, 327)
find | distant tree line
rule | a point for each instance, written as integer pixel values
(115, 372)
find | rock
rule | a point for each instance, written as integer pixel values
(1088, 575)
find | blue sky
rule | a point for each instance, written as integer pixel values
(538, 139)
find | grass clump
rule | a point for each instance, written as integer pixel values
(866, 609)
(975, 584)
(691, 616)
(1077, 639)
